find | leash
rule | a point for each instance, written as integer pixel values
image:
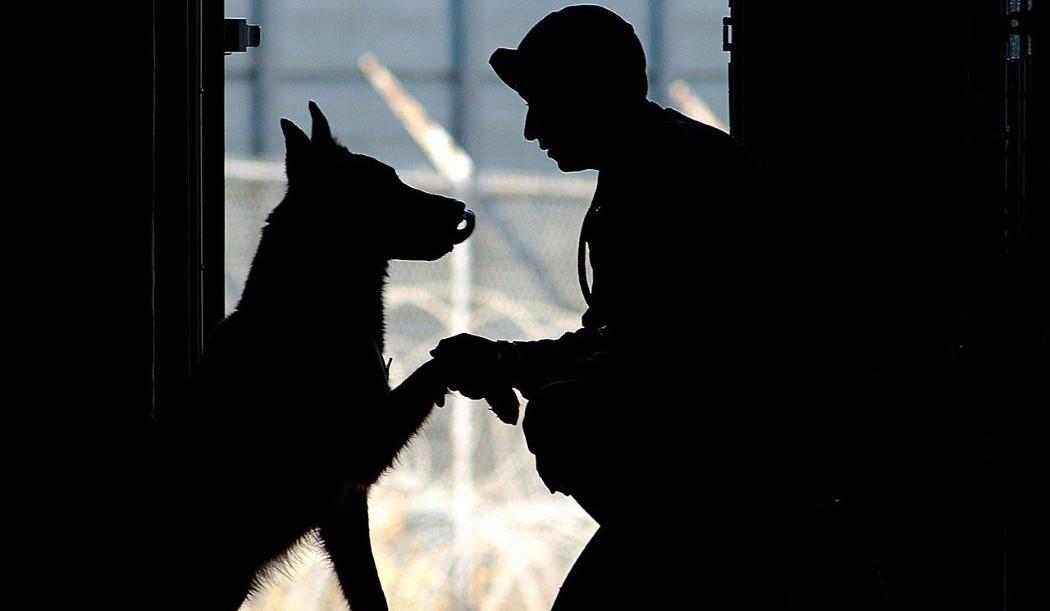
(581, 257)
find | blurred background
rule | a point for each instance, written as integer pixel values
(463, 521)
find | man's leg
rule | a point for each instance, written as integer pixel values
(578, 453)
(612, 572)
(569, 427)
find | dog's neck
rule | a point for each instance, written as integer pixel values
(290, 283)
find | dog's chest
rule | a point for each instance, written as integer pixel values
(366, 366)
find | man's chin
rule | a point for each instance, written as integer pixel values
(571, 165)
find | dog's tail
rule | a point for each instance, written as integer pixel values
(345, 538)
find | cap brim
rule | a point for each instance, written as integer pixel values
(511, 68)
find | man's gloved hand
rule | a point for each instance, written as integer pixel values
(470, 365)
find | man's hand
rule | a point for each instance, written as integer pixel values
(470, 365)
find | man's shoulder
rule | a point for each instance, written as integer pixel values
(686, 156)
(675, 154)
(676, 133)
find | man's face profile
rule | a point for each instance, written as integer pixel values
(567, 127)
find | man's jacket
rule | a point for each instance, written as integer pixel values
(671, 240)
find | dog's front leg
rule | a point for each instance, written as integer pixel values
(345, 538)
(400, 414)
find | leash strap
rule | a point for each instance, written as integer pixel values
(581, 257)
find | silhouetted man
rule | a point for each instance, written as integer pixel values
(633, 414)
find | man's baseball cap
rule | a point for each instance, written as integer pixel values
(582, 46)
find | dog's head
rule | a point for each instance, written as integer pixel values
(365, 201)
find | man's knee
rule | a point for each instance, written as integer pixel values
(618, 569)
(562, 391)
(556, 414)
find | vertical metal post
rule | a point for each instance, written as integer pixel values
(459, 72)
(462, 412)
(462, 420)
(656, 55)
(259, 83)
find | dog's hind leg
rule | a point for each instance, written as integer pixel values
(345, 538)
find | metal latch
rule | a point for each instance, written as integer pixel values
(727, 42)
(239, 35)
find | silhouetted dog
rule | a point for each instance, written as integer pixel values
(293, 419)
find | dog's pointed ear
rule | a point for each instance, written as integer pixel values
(295, 139)
(297, 147)
(321, 133)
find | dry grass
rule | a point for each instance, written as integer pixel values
(522, 542)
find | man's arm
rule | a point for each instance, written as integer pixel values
(480, 368)
(528, 365)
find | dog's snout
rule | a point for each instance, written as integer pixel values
(465, 226)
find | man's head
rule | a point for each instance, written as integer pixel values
(582, 72)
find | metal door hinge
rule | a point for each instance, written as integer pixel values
(727, 34)
(1018, 30)
(239, 35)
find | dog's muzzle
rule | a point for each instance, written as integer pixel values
(465, 227)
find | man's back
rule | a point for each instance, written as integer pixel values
(678, 234)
